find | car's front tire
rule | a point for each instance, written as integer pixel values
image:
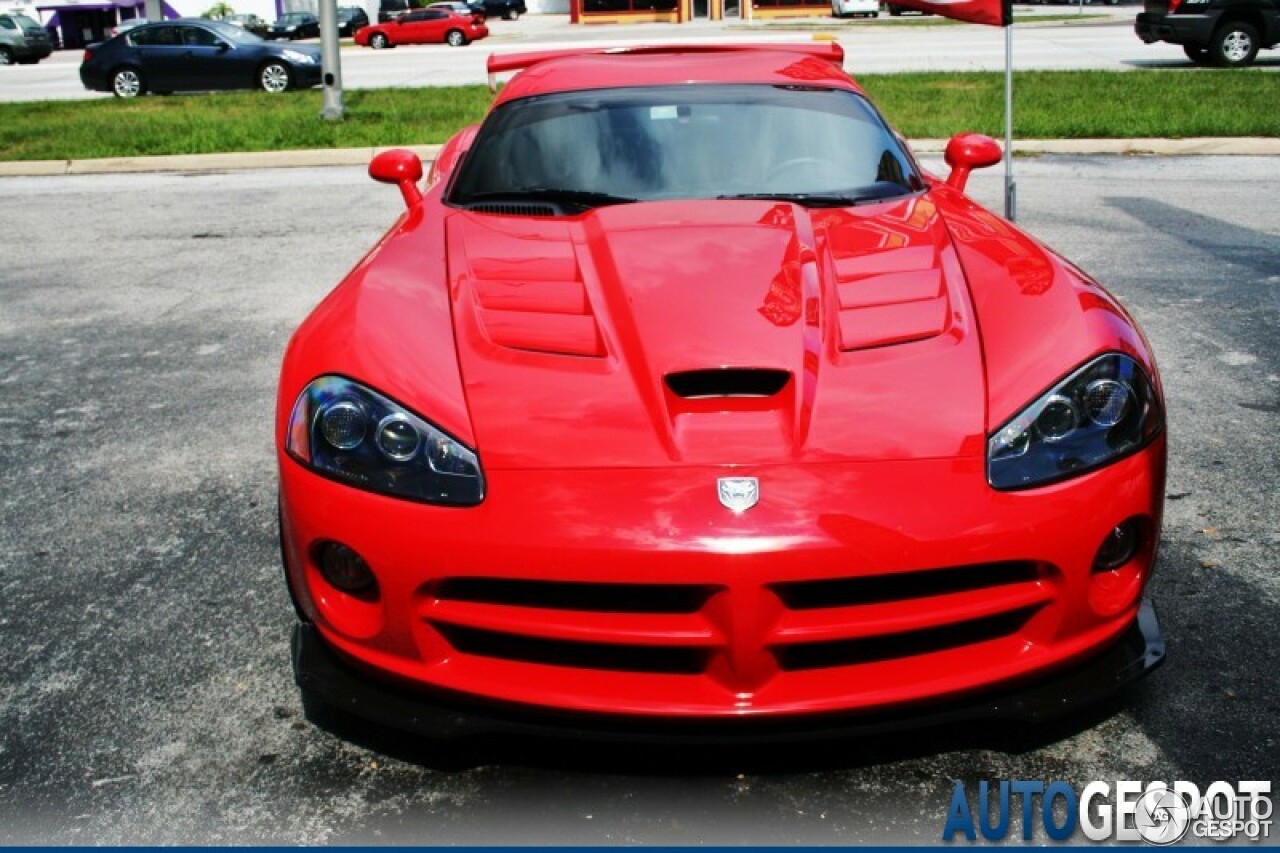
(127, 83)
(511, 15)
(378, 41)
(455, 38)
(274, 77)
(1234, 45)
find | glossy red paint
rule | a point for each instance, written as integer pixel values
(782, 65)
(401, 167)
(424, 26)
(601, 573)
(967, 152)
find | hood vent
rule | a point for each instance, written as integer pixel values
(727, 382)
(506, 208)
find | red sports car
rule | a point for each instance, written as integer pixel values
(424, 26)
(682, 401)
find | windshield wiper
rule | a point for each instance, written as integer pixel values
(881, 191)
(579, 198)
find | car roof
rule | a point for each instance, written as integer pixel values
(676, 65)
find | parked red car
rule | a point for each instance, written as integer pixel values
(682, 401)
(424, 26)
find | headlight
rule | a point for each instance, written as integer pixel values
(357, 436)
(296, 56)
(1104, 410)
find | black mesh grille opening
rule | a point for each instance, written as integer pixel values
(902, 586)
(595, 597)
(606, 656)
(896, 646)
(515, 208)
(728, 382)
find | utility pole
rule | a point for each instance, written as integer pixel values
(331, 62)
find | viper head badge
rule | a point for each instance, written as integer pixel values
(738, 493)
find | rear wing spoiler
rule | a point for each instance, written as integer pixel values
(500, 62)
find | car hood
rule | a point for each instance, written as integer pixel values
(308, 49)
(570, 331)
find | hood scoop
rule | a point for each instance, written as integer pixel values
(727, 382)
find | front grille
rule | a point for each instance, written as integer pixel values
(740, 635)
(902, 586)
(606, 656)
(804, 656)
(598, 597)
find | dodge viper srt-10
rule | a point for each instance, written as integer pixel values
(681, 400)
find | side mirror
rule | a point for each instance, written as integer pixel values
(969, 151)
(402, 168)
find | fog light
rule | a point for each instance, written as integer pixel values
(1119, 546)
(344, 569)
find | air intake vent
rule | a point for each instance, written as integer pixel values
(625, 658)
(896, 646)
(564, 595)
(727, 382)
(515, 208)
(904, 586)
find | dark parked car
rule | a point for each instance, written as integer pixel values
(295, 25)
(196, 55)
(252, 23)
(508, 10)
(389, 10)
(351, 19)
(1216, 32)
(128, 24)
(476, 8)
(22, 40)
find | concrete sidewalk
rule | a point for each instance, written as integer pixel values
(1249, 145)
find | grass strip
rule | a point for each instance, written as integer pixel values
(1049, 104)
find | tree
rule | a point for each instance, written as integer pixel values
(218, 11)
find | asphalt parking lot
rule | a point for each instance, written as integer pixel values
(145, 689)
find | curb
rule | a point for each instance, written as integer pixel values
(232, 161)
(315, 157)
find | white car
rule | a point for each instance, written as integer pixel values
(855, 8)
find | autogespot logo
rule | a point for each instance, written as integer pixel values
(1156, 813)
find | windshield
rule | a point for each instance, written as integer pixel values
(293, 18)
(26, 23)
(814, 146)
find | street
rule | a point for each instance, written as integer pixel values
(1105, 42)
(146, 695)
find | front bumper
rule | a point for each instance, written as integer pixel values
(1193, 29)
(851, 587)
(307, 76)
(323, 674)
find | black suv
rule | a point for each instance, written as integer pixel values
(507, 10)
(1212, 32)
